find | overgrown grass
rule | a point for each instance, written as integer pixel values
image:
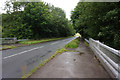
(8, 47)
(40, 41)
(73, 44)
(61, 50)
(30, 42)
(86, 43)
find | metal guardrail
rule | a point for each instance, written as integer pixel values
(22, 39)
(86, 40)
(109, 57)
(8, 40)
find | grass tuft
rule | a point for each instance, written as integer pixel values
(73, 44)
(8, 47)
(86, 43)
(29, 42)
(61, 50)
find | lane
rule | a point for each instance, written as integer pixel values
(16, 62)
(20, 49)
(23, 52)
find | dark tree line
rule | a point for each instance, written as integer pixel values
(35, 20)
(98, 20)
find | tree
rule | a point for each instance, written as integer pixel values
(35, 20)
(99, 21)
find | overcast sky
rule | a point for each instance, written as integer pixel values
(66, 5)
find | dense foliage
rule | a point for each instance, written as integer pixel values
(98, 20)
(35, 20)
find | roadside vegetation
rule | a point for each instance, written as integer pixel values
(35, 20)
(40, 41)
(73, 44)
(99, 21)
(4, 47)
(86, 43)
(29, 42)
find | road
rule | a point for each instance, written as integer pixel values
(17, 61)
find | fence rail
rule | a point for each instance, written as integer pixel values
(86, 40)
(109, 57)
(8, 40)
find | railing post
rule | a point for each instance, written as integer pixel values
(90, 44)
(98, 45)
(15, 39)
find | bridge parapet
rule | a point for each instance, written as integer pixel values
(109, 57)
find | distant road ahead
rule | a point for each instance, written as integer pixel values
(17, 61)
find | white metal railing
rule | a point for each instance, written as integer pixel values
(86, 40)
(8, 40)
(108, 56)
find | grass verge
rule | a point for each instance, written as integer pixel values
(86, 43)
(7, 47)
(40, 41)
(29, 42)
(73, 44)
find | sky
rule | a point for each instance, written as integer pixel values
(66, 5)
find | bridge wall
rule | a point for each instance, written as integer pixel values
(109, 57)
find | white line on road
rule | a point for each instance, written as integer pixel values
(63, 40)
(23, 52)
(54, 43)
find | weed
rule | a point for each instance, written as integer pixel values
(29, 42)
(46, 61)
(86, 43)
(61, 50)
(8, 47)
(41, 64)
(73, 44)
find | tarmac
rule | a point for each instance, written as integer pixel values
(79, 64)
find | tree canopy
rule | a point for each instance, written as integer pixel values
(35, 20)
(99, 21)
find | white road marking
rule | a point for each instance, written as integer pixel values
(23, 52)
(63, 40)
(54, 43)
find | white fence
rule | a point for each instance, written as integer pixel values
(8, 40)
(109, 57)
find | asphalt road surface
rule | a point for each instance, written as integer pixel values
(18, 61)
